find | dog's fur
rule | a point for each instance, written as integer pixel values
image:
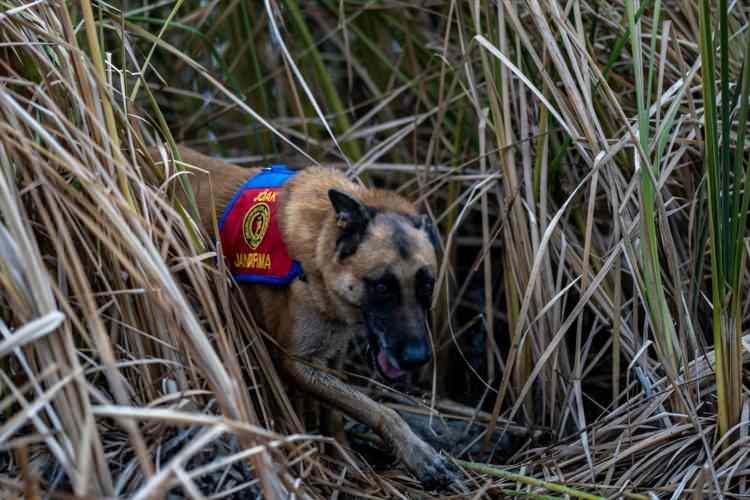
(369, 260)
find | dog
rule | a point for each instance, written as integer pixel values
(359, 262)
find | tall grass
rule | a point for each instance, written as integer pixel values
(728, 196)
(584, 161)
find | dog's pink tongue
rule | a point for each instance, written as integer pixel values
(389, 370)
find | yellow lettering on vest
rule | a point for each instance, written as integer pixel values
(266, 195)
(252, 260)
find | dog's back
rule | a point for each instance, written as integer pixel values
(214, 182)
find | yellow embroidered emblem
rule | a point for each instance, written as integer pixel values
(255, 225)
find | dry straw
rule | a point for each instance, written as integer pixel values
(585, 163)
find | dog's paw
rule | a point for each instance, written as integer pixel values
(433, 470)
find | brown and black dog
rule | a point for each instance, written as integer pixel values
(369, 262)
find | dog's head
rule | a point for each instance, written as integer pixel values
(385, 267)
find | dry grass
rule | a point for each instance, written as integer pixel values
(585, 167)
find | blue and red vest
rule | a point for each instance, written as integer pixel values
(251, 239)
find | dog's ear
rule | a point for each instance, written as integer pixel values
(351, 214)
(426, 225)
(352, 218)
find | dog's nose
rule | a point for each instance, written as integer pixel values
(414, 353)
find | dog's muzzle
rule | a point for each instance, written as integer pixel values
(392, 361)
(385, 364)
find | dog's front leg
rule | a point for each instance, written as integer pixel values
(422, 460)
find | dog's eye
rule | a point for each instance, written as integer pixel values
(384, 289)
(427, 288)
(425, 285)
